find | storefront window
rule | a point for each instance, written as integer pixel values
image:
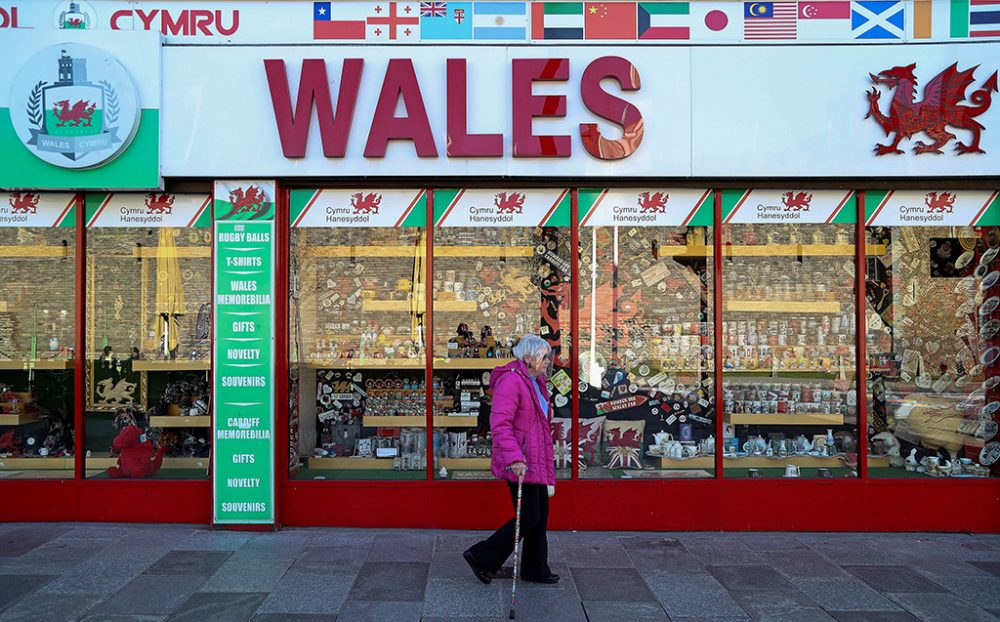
(501, 270)
(647, 403)
(788, 333)
(357, 352)
(931, 314)
(37, 334)
(148, 326)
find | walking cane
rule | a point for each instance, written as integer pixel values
(517, 542)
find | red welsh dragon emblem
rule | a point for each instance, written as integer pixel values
(509, 203)
(250, 201)
(159, 204)
(796, 202)
(939, 203)
(78, 113)
(656, 202)
(366, 203)
(23, 203)
(938, 109)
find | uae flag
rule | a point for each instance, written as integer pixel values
(556, 20)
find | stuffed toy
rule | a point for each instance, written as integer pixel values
(136, 455)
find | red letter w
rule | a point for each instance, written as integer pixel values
(313, 87)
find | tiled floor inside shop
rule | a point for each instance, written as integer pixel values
(112, 572)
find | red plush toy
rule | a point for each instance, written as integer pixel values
(136, 455)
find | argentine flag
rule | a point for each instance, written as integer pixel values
(501, 21)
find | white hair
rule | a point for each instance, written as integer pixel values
(531, 345)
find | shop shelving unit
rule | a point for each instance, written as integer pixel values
(176, 365)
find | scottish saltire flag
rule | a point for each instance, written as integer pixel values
(500, 21)
(878, 19)
(557, 20)
(664, 20)
(445, 21)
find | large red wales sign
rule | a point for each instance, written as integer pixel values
(400, 84)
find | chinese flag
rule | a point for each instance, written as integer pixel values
(609, 20)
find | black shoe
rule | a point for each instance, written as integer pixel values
(483, 575)
(549, 580)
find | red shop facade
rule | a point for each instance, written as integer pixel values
(759, 323)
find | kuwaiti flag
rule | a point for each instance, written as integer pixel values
(878, 19)
(500, 21)
(556, 20)
(445, 21)
(825, 20)
(664, 20)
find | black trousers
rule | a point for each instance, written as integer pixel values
(492, 552)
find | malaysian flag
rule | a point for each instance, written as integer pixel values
(769, 20)
(433, 9)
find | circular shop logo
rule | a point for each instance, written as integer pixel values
(74, 106)
(74, 15)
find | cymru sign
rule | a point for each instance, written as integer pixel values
(77, 115)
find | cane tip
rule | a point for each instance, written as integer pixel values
(511, 614)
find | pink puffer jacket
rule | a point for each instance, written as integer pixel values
(520, 426)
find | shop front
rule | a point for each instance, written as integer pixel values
(257, 283)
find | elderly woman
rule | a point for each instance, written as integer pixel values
(522, 448)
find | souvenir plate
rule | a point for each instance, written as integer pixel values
(988, 410)
(964, 259)
(989, 305)
(991, 383)
(989, 454)
(990, 280)
(990, 356)
(989, 255)
(989, 329)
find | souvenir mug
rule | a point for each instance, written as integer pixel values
(792, 470)
(753, 473)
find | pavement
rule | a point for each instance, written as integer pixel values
(116, 572)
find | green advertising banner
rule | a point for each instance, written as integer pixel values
(243, 373)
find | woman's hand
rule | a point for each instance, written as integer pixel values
(519, 469)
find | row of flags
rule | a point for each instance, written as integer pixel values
(819, 20)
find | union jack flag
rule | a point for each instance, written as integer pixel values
(433, 9)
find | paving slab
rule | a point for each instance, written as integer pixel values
(151, 594)
(262, 576)
(893, 579)
(692, 595)
(385, 611)
(596, 551)
(402, 548)
(749, 578)
(771, 606)
(206, 607)
(390, 581)
(37, 607)
(306, 592)
(465, 598)
(189, 562)
(611, 584)
(844, 595)
(942, 606)
(14, 586)
(604, 611)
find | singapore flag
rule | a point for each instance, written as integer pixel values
(825, 21)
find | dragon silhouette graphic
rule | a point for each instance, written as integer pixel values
(250, 200)
(77, 114)
(939, 108)
(509, 202)
(366, 203)
(796, 201)
(159, 203)
(655, 202)
(23, 203)
(939, 203)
